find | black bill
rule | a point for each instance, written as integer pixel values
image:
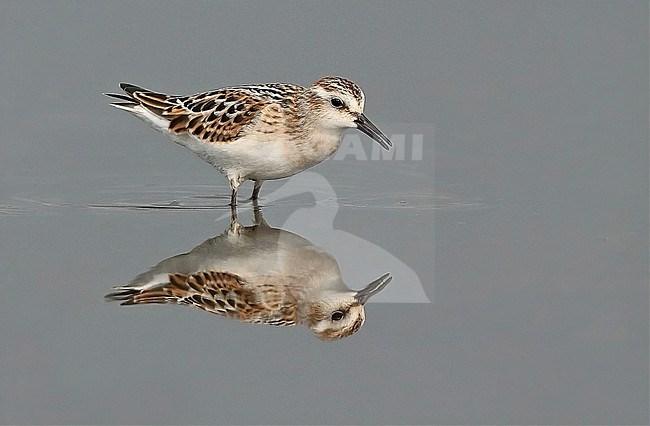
(373, 288)
(371, 130)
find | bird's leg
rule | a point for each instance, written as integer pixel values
(234, 184)
(233, 198)
(235, 226)
(258, 219)
(256, 189)
(233, 214)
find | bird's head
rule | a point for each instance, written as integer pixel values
(338, 315)
(337, 104)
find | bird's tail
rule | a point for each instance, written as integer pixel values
(129, 295)
(136, 96)
(145, 104)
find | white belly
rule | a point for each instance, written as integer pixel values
(259, 156)
(249, 158)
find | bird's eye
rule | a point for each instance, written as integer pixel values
(337, 315)
(337, 103)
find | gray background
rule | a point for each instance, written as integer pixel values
(540, 311)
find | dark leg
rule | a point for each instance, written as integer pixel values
(257, 214)
(233, 198)
(235, 226)
(234, 184)
(233, 214)
(258, 219)
(256, 189)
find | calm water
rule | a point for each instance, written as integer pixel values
(517, 238)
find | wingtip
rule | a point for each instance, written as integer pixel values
(132, 88)
(124, 294)
(120, 96)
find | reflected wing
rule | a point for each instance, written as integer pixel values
(221, 293)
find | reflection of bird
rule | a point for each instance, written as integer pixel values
(258, 274)
(257, 132)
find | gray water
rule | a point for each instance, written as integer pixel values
(517, 238)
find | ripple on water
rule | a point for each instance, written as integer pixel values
(408, 201)
(206, 197)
